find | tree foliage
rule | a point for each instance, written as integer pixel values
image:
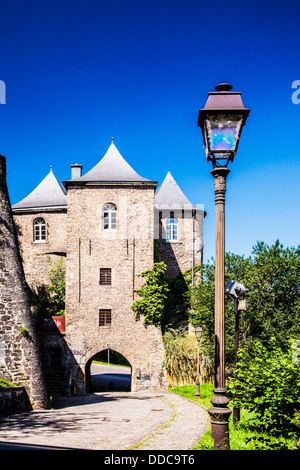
(162, 301)
(48, 300)
(272, 274)
(267, 383)
(153, 295)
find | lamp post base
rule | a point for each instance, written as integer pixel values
(219, 416)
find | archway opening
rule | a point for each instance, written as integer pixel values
(107, 371)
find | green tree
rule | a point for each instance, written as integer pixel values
(154, 294)
(163, 301)
(272, 274)
(274, 297)
(57, 287)
(49, 300)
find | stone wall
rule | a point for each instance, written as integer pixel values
(14, 400)
(19, 353)
(128, 251)
(34, 254)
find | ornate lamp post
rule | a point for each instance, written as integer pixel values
(221, 122)
(198, 334)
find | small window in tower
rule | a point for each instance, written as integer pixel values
(104, 317)
(109, 216)
(172, 230)
(39, 230)
(105, 276)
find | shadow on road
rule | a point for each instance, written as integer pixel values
(88, 399)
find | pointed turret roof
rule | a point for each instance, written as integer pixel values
(170, 196)
(113, 168)
(48, 194)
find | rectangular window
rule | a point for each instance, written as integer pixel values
(104, 317)
(105, 276)
(114, 221)
(105, 220)
(39, 230)
(172, 230)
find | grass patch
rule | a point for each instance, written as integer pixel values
(6, 383)
(241, 436)
(188, 391)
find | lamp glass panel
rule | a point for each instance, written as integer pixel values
(198, 333)
(223, 132)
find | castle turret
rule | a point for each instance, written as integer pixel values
(178, 228)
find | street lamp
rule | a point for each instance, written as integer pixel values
(221, 122)
(198, 334)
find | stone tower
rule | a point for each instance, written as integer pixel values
(178, 228)
(110, 241)
(19, 353)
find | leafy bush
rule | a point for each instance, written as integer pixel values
(163, 301)
(271, 443)
(50, 300)
(267, 383)
(57, 287)
(181, 358)
(153, 295)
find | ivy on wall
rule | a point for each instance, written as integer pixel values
(163, 302)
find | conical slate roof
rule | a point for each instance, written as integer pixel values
(48, 194)
(112, 167)
(170, 196)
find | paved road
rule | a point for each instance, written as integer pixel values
(110, 378)
(111, 421)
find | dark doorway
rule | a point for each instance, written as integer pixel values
(108, 371)
(55, 358)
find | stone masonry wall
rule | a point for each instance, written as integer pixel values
(14, 400)
(128, 251)
(19, 354)
(33, 254)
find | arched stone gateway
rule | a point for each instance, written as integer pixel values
(145, 357)
(112, 374)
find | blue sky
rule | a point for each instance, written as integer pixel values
(80, 72)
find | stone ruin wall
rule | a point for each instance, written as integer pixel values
(19, 353)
